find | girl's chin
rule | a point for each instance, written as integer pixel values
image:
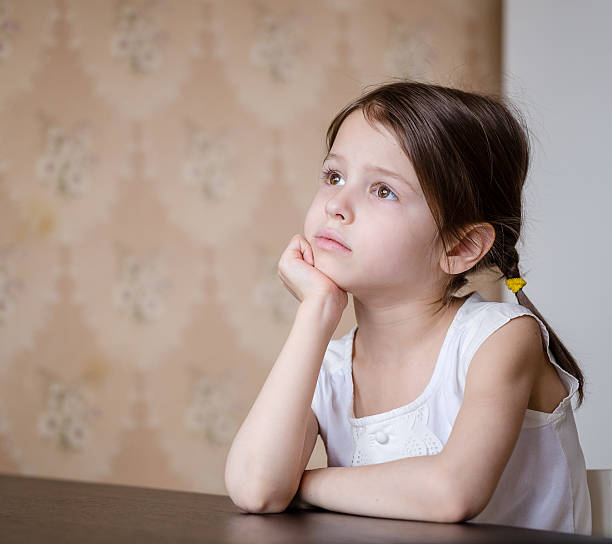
(335, 276)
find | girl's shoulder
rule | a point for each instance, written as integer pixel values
(478, 318)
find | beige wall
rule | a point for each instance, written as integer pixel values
(155, 159)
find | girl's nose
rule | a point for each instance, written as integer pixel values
(338, 207)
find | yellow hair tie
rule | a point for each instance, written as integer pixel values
(514, 284)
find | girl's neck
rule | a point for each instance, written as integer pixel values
(401, 335)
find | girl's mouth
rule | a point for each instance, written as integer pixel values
(331, 245)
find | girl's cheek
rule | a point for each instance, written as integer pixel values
(309, 222)
(318, 204)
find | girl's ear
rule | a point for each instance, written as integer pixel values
(474, 244)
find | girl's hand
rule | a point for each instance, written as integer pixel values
(305, 282)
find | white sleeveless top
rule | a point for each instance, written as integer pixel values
(544, 484)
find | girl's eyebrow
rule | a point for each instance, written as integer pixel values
(373, 168)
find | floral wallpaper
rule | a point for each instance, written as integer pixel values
(156, 157)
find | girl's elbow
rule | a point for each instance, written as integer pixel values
(251, 497)
(462, 506)
(457, 512)
(452, 510)
(252, 500)
(249, 505)
(257, 504)
(245, 498)
(454, 505)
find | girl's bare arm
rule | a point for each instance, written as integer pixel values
(268, 455)
(265, 462)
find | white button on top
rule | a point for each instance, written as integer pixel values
(381, 437)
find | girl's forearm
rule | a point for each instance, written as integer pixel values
(263, 464)
(414, 488)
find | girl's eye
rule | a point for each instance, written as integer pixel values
(387, 190)
(331, 176)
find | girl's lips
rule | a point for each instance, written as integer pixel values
(331, 245)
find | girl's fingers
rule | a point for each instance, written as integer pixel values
(306, 251)
(303, 250)
(297, 247)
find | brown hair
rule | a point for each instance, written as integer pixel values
(471, 153)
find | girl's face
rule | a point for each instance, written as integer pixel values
(370, 196)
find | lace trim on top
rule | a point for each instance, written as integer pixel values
(404, 436)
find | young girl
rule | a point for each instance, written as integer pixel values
(433, 407)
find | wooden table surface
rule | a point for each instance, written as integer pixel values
(47, 510)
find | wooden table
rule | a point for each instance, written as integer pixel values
(46, 510)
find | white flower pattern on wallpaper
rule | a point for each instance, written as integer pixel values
(138, 38)
(140, 287)
(8, 26)
(199, 173)
(67, 416)
(194, 407)
(137, 54)
(66, 407)
(275, 47)
(28, 292)
(210, 412)
(66, 162)
(275, 68)
(208, 165)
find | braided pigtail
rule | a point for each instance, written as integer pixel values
(563, 357)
